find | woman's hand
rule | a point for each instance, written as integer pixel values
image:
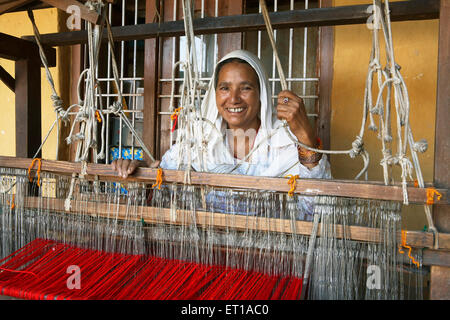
(291, 108)
(124, 168)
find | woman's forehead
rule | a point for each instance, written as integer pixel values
(234, 71)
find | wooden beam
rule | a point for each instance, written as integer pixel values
(7, 79)
(344, 15)
(12, 5)
(28, 107)
(85, 12)
(438, 258)
(326, 55)
(13, 48)
(309, 187)
(203, 219)
(151, 76)
(440, 276)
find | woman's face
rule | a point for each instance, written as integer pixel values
(237, 96)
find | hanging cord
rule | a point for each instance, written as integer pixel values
(393, 78)
(159, 179)
(357, 145)
(404, 245)
(292, 182)
(116, 108)
(57, 101)
(38, 172)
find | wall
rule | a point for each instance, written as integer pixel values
(416, 47)
(18, 24)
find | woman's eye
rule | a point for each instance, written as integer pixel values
(223, 88)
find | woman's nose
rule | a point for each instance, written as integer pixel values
(235, 96)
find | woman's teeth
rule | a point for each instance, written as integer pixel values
(236, 110)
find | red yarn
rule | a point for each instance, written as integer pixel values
(39, 271)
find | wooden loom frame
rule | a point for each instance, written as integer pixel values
(406, 10)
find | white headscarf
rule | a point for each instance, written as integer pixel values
(274, 153)
(218, 153)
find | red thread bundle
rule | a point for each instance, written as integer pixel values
(40, 272)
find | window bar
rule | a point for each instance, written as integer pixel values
(291, 41)
(270, 79)
(216, 43)
(174, 39)
(122, 50)
(108, 89)
(202, 37)
(305, 49)
(124, 78)
(275, 9)
(133, 105)
(259, 37)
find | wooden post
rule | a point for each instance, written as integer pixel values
(440, 276)
(28, 107)
(326, 53)
(151, 84)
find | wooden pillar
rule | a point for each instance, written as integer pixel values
(440, 276)
(326, 53)
(151, 84)
(28, 107)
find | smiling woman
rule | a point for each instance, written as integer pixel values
(243, 131)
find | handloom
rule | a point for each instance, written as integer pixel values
(190, 236)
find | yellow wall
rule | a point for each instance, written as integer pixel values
(416, 48)
(18, 24)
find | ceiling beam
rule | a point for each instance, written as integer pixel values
(13, 48)
(344, 15)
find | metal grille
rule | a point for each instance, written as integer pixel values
(297, 48)
(130, 59)
(293, 45)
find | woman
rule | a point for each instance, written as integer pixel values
(248, 137)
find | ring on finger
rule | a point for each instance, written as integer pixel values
(285, 100)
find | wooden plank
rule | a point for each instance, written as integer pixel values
(440, 283)
(151, 67)
(85, 12)
(7, 79)
(442, 129)
(12, 5)
(13, 48)
(326, 54)
(28, 107)
(436, 258)
(344, 15)
(310, 187)
(440, 276)
(169, 53)
(229, 41)
(204, 219)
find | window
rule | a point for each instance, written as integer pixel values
(297, 48)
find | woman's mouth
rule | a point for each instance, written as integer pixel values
(235, 110)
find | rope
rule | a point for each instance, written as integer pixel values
(159, 179)
(404, 245)
(174, 117)
(57, 101)
(430, 195)
(292, 182)
(38, 172)
(357, 145)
